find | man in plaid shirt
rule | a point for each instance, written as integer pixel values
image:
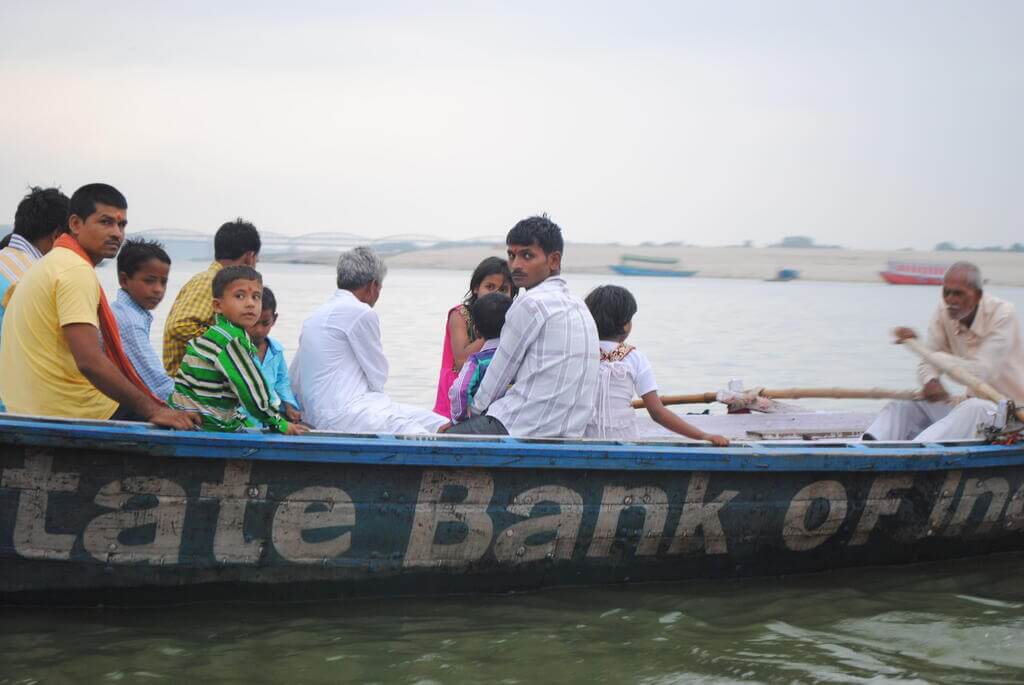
(237, 243)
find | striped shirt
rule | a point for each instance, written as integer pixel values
(134, 323)
(219, 375)
(190, 315)
(460, 395)
(15, 259)
(549, 353)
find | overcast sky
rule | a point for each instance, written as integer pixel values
(869, 124)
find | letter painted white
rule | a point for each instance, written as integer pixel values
(293, 517)
(616, 499)
(431, 512)
(795, 533)
(880, 502)
(698, 514)
(944, 502)
(974, 489)
(101, 536)
(1013, 518)
(35, 483)
(229, 543)
(511, 545)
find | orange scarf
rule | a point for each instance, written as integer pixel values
(108, 326)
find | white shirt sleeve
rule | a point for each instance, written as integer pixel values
(364, 337)
(643, 374)
(522, 326)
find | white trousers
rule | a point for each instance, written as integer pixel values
(375, 412)
(933, 421)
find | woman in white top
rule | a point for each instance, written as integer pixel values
(625, 373)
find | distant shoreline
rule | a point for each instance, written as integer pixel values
(759, 263)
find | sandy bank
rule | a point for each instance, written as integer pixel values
(999, 268)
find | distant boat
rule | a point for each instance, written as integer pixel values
(786, 275)
(914, 273)
(627, 269)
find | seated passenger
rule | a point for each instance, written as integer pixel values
(270, 355)
(142, 270)
(218, 374)
(236, 243)
(51, 360)
(488, 314)
(541, 381)
(339, 370)
(41, 216)
(625, 372)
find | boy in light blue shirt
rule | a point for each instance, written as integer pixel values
(271, 359)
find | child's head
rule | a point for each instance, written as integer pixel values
(238, 295)
(259, 331)
(142, 270)
(490, 276)
(489, 314)
(613, 309)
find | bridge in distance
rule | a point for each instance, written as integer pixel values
(187, 244)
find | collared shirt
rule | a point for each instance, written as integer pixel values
(275, 370)
(218, 375)
(134, 323)
(460, 395)
(190, 315)
(549, 352)
(15, 259)
(339, 372)
(990, 349)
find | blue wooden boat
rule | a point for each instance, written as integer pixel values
(125, 513)
(625, 268)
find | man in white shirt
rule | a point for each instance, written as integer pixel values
(339, 371)
(548, 351)
(975, 331)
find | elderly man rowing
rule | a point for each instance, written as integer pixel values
(980, 334)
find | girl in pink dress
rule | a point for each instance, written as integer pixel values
(460, 336)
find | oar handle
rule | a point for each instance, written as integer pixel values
(797, 393)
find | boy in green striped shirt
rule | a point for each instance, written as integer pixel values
(219, 375)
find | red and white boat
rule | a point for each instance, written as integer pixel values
(914, 273)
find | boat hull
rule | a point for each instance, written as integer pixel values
(118, 515)
(647, 271)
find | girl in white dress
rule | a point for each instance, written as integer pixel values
(625, 373)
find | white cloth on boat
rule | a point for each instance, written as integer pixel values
(933, 421)
(991, 348)
(339, 371)
(548, 353)
(618, 382)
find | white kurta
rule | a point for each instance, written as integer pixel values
(548, 353)
(339, 372)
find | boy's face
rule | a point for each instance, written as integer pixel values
(148, 284)
(261, 329)
(100, 234)
(530, 265)
(241, 302)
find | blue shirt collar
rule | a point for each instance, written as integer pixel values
(128, 301)
(20, 243)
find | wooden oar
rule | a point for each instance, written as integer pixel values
(979, 387)
(798, 393)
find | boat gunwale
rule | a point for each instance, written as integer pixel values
(506, 452)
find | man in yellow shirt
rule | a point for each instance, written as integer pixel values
(237, 243)
(51, 360)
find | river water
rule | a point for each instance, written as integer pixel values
(954, 622)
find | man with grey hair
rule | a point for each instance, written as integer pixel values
(339, 370)
(975, 331)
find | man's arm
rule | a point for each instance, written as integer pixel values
(523, 324)
(190, 316)
(364, 337)
(937, 342)
(84, 342)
